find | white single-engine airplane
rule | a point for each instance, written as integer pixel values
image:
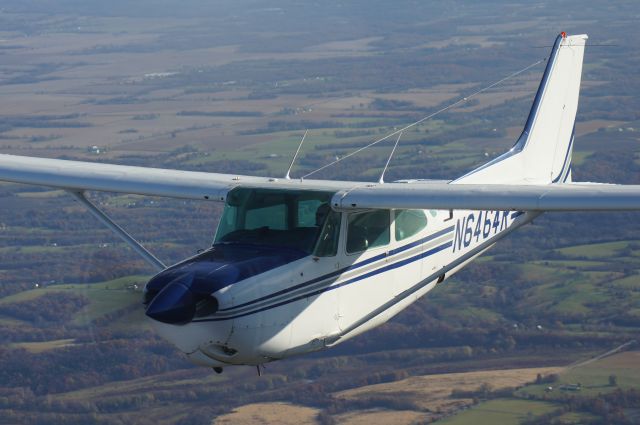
(301, 265)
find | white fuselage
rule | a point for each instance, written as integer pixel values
(317, 302)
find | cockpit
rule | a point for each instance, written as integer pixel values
(263, 229)
(301, 220)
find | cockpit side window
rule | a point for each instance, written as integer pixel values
(409, 222)
(367, 230)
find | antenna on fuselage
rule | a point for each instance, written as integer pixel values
(287, 176)
(384, 170)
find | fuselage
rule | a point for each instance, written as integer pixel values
(273, 286)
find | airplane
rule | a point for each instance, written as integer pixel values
(301, 265)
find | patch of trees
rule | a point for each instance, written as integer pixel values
(484, 392)
(618, 407)
(354, 133)
(91, 364)
(35, 332)
(609, 167)
(391, 105)
(279, 125)
(42, 121)
(220, 113)
(47, 309)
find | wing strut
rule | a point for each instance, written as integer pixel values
(104, 219)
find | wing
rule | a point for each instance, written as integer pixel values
(79, 176)
(549, 197)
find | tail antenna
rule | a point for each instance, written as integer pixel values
(381, 180)
(287, 176)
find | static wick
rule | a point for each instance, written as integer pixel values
(288, 175)
(381, 181)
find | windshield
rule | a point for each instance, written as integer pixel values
(292, 219)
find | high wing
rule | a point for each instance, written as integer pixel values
(80, 176)
(550, 197)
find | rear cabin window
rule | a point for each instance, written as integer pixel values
(367, 230)
(409, 222)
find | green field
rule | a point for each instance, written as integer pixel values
(104, 298)
(595, 251)
(594, 377)
(500, 411)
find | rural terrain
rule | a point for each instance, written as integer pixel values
(541, 329)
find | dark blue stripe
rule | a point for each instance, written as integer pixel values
(347, 282)
(533, 113)
(516, 214)
(346, 269)
(567, 157)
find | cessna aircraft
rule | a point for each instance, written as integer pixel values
(299, 265)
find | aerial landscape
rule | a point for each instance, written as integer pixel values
(541, 329)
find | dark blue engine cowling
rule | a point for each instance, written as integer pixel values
(184, 291)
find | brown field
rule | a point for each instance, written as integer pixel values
(90, 76)
(40, 347)
(426, 98)
(361, 44)
(380, 417)
(587, 127)
(91, 79)
(269, 413)
(481, 41)
(433, 391)
(522, 89)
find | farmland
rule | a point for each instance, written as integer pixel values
(232, 89)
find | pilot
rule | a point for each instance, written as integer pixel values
(321, 213)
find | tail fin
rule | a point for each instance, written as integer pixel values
(542, 154)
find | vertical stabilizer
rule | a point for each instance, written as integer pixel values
(542, 154)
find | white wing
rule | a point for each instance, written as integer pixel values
(549, 197)
(79, 175)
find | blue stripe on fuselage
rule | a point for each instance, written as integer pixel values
(347, 282)
(346, 269)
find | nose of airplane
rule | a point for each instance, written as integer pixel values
(175, 303)
(186, 290)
